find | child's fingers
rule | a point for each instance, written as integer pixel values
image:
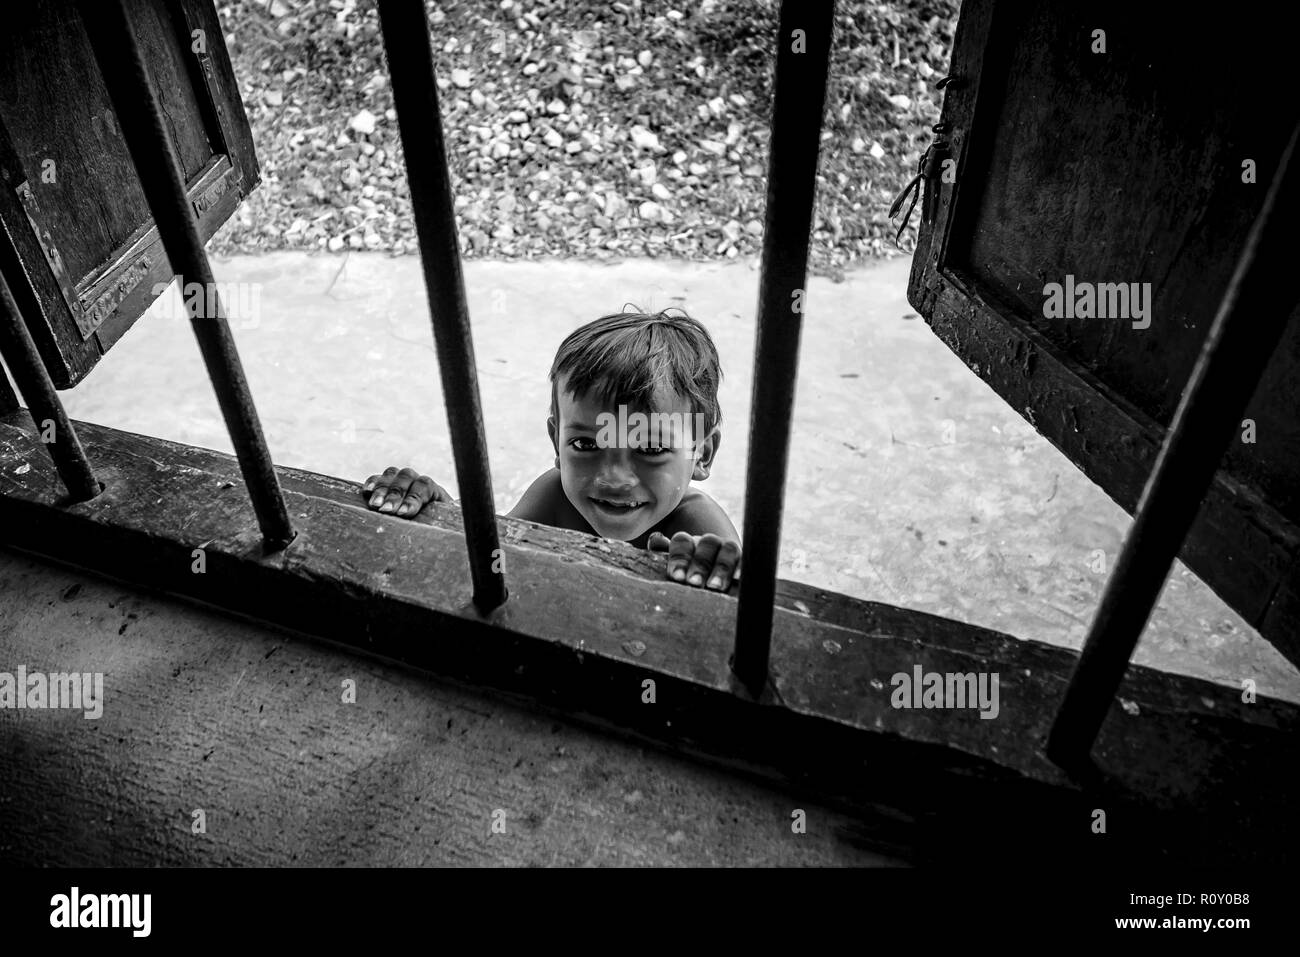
(680, 550)
(706, 550)
(398, 486)
(657, 542)
(376, 480)
(724, 566)
(422, 490)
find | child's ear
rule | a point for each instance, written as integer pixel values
(704, 453)
(555, 443)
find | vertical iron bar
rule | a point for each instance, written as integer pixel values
(24, 362)
(144, 128)
(803, 53)
(415, 98)
(8, 398)
(1246, 329)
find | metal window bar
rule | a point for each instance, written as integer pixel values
(144, 129)
(802, 62)
(415, 98)
(19, 353)
(1247, 328)
(1223, 380)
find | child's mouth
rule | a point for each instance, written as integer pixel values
(615, 508)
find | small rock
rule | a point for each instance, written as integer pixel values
(363, 123)
(731, 231)
(754, 228)
(660, 191)
(713, 146)
(645, 58)
(643, 139)
(697, 169)
(615, 205)
(461, 78)
(500, 149)
(335, 244)
(314, 188)
(477, 98)
(274, 97)
(877, 151)
(553, 139)
(556, 107)
(516, 116)
(902, 101)
(858, 144)
(650, 212)
(647, 174)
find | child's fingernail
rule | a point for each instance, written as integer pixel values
(403, 508)
(678, 574)
(386, 507)
(376, 500)
(715, 582)
(697, 579)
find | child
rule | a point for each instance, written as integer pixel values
(634, 419)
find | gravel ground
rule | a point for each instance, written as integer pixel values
(600, 130)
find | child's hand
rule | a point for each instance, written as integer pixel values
(403, 493)
(699, 560)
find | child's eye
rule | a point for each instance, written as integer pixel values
(583, 444)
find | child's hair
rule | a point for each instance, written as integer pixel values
(627, 357)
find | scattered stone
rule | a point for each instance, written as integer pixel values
(461, 78)
(643, 139)
(650, 212)
(363, 123)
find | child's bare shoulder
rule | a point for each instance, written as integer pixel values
(538, 504)
(546, 504)
(699, 514)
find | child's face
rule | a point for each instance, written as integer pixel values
(624, 491)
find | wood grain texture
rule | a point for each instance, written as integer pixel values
(54, 107)
(1117, 167)
(588, 621)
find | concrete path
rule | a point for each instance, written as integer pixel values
(911, 481)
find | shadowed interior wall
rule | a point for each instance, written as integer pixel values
(203, 711)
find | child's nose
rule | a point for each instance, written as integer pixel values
(616, 472)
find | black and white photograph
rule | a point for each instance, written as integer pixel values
(845, 436)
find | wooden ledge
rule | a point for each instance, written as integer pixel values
(588, 622)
